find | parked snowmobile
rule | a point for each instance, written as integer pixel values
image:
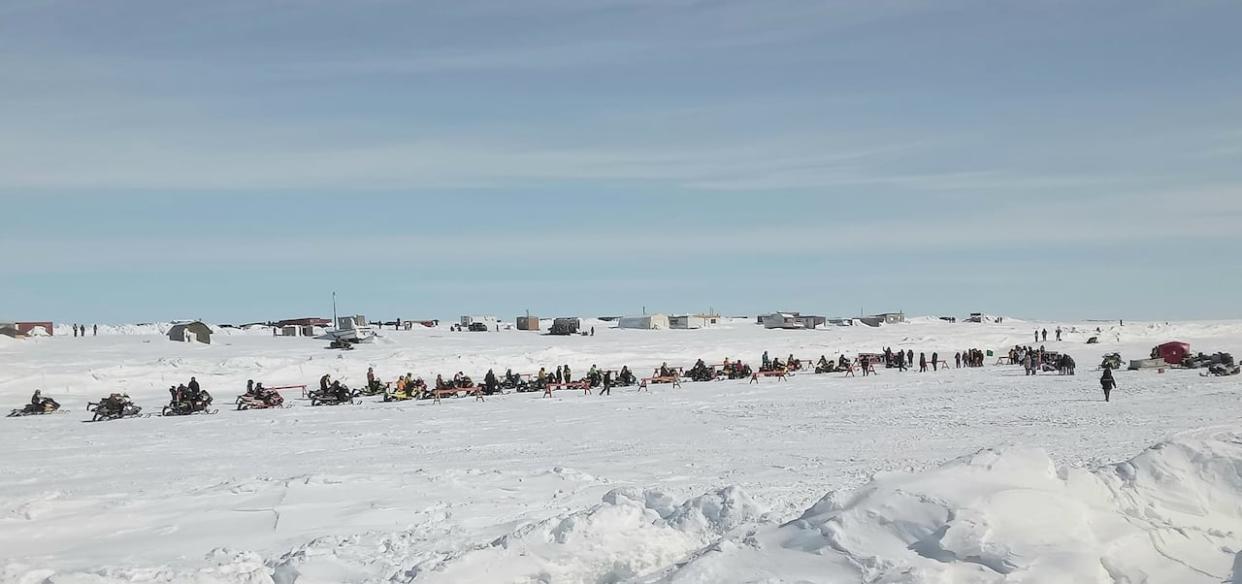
(336, 394)
(186, 401)
(406, 390)
(38, 405)
(1221, 370)
(1111, 361)
(260, 398)
(624, 378)
(114, 407)
(701, 372)
(1201, 360)
(513, 382)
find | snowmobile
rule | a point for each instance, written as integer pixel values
(1221, 370)
(114, 407)
(411, 390)
(260, 399)
(1202, 360)
(184, 405)
(38, 406)
(341, 344)
(514, 383)
(376, 388)
(1111, 361)
(625, 378)
(335, 395)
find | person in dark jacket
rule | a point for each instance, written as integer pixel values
(607, 383)
(922, 362)
(324, 382)
(957, 361)
(1107, 383)
(935, 361)
(910, 357)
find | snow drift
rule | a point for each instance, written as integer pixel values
(1171, 514)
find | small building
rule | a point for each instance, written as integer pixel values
(693, 321)
(645, 322)
(565, 326)
(528, 323)
(891, 317)
(811, 322)
(409, 323)
(186, 332)
(487, 322)
(307, 321)
(296, 330)
(686, 322)
(1173, 353)
(37, 328)
(781, 320)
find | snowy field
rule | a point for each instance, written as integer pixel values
(970, 475)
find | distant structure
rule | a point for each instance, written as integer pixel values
(565, 326)
(297, 330)
(883, 318)
(190, 332)
(693, 321)
(308, 321)
(478, 323)
(646, 322)
(408, 324)
(35, 328)
(791, 321)
(528, 323)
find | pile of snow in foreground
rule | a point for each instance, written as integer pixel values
(1171, 514)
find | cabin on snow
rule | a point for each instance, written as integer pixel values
(692, 321)
(186, 332)
(791, 320)
(644, 322)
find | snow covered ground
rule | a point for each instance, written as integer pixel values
(971, 475)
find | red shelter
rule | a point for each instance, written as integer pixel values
(1173, 352)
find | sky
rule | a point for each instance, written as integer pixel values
(241, 160)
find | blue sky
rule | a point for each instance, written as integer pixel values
(239, 160)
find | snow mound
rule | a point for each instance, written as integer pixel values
(630, 534)
(1171, 514)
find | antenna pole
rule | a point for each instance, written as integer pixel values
(334, 308)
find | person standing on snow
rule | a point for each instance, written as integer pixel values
(922, 362)
(607, 383)
(1107, 383)
(1058, 334)
(935, 361)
